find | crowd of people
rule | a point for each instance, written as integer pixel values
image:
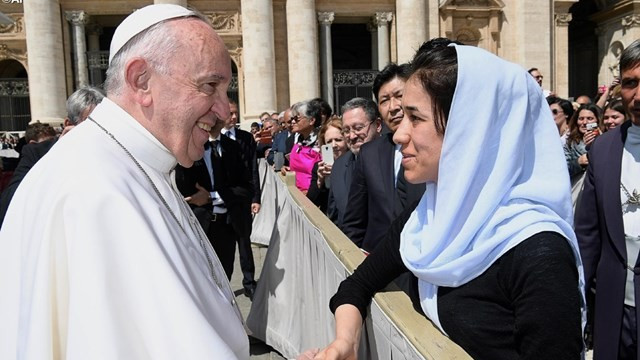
(473, 209)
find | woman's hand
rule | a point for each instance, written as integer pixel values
(324, 170)
(583, 160)
(340, 349)
(589, 136)
(284, 170)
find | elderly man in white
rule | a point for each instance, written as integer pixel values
(100, 256)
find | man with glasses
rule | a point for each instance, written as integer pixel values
(360, 124)
(535, 72)
(378, 191)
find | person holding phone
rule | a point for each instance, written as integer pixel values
(584, 126)
(332, 146)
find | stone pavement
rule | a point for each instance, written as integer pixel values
(259, 350)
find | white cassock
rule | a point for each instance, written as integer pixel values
(94, 266)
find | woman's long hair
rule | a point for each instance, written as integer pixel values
(575, 136)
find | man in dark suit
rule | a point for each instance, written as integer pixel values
(219, 189)
(378, 190)
(607, 224)
(249, 159)
(361, 123)
(79, 106)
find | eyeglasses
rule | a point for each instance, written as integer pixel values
(357, 129)
(555, 111)
(297, 118)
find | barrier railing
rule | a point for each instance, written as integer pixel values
(308, 257)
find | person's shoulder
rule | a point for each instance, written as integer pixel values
(343, 159)
(368, 148)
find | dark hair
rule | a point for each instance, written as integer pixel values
(435, 65)
(574, 130)
(255, 124)
(566, 105)
(368, 107)
(265, 113)
(532, 70)
(37, 131)
(325, 108)
(618, 106)
(630, 56)
(387, 74)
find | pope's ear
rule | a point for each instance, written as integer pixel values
(137, 76)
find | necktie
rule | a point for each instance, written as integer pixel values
(216, 164)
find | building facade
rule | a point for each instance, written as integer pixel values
(285, 51)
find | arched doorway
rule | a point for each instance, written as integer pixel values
(15, 110)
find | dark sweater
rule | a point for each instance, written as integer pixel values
(525, 306)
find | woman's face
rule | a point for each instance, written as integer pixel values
(333, 137)
(302, 124)
(585, 117)
(613, 118)
(559, 116)
(420, 142)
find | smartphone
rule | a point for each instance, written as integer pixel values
(327, 154)
(265, 137)
(592, 126)
(278, 160)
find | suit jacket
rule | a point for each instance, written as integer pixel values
(600, 231)
(30, 155)
(341, 175)
(372, 196)
(248, 145)
(234, 187)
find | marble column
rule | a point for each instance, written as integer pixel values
(259, 58)
(381, 21)
(411, 27)
(47, 85)
(95, 74)
(78, 20)
(326, 56)
(176, 2)
(561, 55)
(374, 44)
(302, 48)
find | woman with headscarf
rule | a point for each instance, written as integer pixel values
(490, 243)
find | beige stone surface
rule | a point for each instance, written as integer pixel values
(411, 27)
(302, 35)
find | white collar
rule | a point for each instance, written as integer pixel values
(136, 139)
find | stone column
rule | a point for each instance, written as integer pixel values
(560, 83)
(176, 2)
(381, 21)
(95, 75)
(374, 44)
(259, 58)
(302, 47)
(47, 90)
(411, 27)
(78, 20)
(326, 57)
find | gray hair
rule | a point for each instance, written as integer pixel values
(81, 100)
(157, 44)
(368, 106)
(630, 56)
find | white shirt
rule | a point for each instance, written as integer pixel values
(94, 266)
(231, 132)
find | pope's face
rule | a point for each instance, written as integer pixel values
(193, 96)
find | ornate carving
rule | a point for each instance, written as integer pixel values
(233, 84)
(236, 55)
(326, 18)
(14, 87)
(468, 36)
(470, 3)
(350, 78)
(16, 28)
(77, 17)
(563, 19)
(98, 59)
(6, 53)
(382, 18)
(225, 22)
(630, 21)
